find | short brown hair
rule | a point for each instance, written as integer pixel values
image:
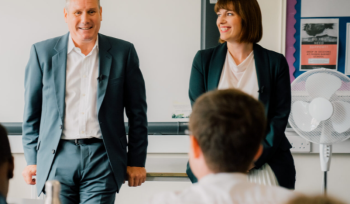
(320, 199)
(249, 11)
(5, 150)
(229, 126)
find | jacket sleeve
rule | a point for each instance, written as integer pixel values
(32, 108)
(136, 108)
(197, 83)
(281, 107)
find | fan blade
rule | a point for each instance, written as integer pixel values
(341, 116)
(302, 117)
(322, 85)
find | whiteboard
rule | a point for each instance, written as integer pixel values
(166, 35)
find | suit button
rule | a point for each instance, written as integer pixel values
(53, 151)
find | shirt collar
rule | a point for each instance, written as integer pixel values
(243, 64)
(71, 45)
(223, 177)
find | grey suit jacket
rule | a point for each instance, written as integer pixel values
(121, 86)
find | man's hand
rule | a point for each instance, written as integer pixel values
(28, 173)
(136, 175)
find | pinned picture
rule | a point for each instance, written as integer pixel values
(181, 110)
(319, 44)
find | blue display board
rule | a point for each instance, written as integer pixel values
(342, 40)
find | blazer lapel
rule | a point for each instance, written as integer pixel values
(263, 73)
(104, 69)
(215, 66)
(59, 64)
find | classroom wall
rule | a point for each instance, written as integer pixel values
(166, 35)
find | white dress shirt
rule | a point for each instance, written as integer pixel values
(80, 119)
(226, 188)
(242, 76)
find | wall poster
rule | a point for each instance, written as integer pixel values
(319, 44)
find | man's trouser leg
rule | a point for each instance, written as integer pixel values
(84, 173)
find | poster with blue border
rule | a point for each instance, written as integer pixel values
(295, 14)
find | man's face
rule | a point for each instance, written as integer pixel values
(84, 20)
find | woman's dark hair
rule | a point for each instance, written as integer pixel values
(249, 11)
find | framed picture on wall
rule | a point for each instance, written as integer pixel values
(311, 23)
(319, 44)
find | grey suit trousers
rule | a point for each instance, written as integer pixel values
(84, 173)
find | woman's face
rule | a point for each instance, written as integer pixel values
(229, 25)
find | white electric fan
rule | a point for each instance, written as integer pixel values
(321, 111)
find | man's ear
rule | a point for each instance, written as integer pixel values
(101, 13)
(195, 147)
(65, 12)
(11, 168)
(258, 153)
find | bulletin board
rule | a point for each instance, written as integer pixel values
(299, 11)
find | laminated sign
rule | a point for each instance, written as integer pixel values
(319, 44)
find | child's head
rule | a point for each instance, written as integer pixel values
(227, 128)
(6, 162)
(320, 199)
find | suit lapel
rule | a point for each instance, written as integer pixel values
(263, 73)
(104, 69)
(59, 64)
(215, 66)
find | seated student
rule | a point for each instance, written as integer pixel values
(227, 128)
(6, 164)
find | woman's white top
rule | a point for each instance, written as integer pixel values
(244, 78)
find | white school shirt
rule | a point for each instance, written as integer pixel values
(242, 76)
(80, 120)
(225, 188)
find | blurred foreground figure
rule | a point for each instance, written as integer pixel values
(314, 200)
(6, 164)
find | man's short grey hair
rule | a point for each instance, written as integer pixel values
(68, 1)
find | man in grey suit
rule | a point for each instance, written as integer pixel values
(76, 88)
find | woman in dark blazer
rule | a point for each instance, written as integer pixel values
(240, 26)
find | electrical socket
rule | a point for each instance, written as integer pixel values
(299, 144)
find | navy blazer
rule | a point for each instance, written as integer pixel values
(121, 86)
(274, 92)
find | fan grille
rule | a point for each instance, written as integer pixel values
(325, 132)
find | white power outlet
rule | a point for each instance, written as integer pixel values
(299, 144)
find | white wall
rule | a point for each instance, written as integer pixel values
(166, 35)
(310, 177)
